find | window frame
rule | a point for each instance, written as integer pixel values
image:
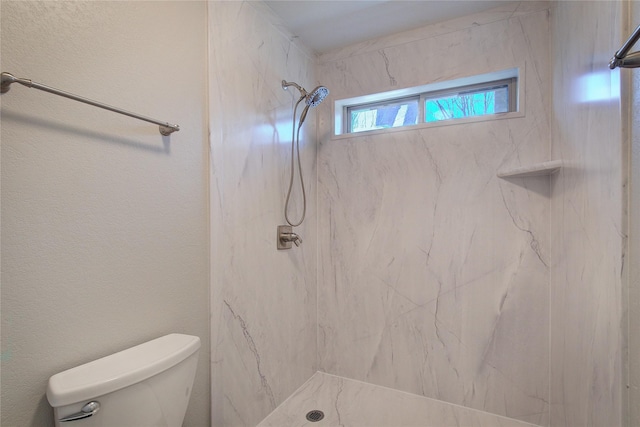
(513, 78)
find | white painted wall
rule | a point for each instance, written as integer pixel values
(104, 221)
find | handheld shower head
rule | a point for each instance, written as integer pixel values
(311, 99)
(317, 96)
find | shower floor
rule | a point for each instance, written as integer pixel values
(349, 403)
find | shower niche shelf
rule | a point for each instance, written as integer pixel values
(537, 169)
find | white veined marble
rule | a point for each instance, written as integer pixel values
(434, 274)
(420, 269)
(587, 227)
(263, 304)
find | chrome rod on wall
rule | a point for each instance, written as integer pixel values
(7, 79)
(623, 58)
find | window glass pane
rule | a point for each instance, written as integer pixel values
(388, 115)
(483, 95)
(468, 104)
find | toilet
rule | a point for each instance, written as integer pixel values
(148, 385)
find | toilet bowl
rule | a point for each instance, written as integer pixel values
(148, 385)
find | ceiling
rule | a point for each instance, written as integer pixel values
(324, 25)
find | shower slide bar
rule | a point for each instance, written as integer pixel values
(8, 79)
(623, 58)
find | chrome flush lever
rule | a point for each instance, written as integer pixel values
(286, 236)
(87, 410)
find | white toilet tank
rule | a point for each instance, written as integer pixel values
(144, 386)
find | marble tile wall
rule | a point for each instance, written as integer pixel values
(632, 399)
(587, 226)
(433, 273)
(263, 301)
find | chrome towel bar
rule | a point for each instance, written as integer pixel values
(623, 58)
(8, 79)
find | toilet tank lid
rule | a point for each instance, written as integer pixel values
(120, 370)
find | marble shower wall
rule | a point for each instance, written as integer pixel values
(588, 228)
(263, 301)
(434, 273)
(633, 305)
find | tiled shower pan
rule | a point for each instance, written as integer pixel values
(348, 403)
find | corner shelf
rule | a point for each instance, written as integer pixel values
(538, 169)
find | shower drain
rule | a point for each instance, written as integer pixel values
(315, 415)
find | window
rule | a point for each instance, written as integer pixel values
(485, 95)
(478, 100)
(380, 115)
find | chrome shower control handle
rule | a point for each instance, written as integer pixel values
(295, 239)
(286, 236)
(87, 410)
